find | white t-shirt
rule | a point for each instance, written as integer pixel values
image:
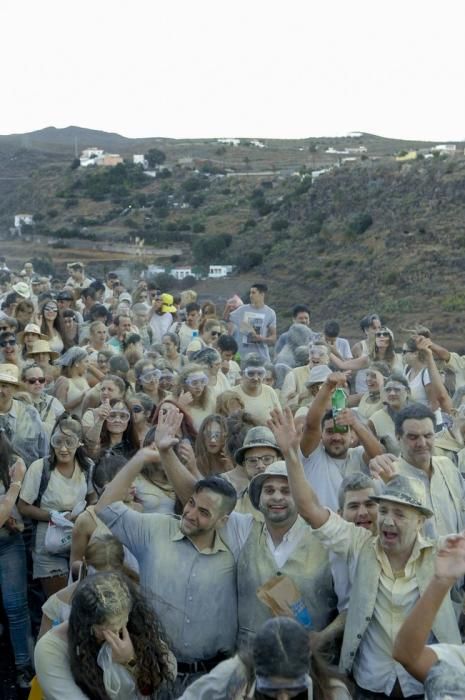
(325, 473)
(260, 406)
(61, 494)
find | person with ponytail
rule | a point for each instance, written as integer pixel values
(111, 646)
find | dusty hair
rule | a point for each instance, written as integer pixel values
(96, 598)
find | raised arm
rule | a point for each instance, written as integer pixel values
(287, 437)
(436, 391)
(117, 489)
(355, 363)
(371, 445)
(181, 479)
(410, 645)
(312, 427)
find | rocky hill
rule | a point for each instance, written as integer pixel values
(371, 233)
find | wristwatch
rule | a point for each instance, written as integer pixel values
(131, 664)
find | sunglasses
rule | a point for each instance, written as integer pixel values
(383, 334)
(404, 352)
(36, 380)
(215, 333)
(4, 343)
(4, 328)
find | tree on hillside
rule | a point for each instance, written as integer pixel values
(155, 157)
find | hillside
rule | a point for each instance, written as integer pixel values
(370, 234)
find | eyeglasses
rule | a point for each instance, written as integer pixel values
(382, 334)
(114, 416)
(197, 381)
(255, 373)
(35, 380)
(137, 409)
(60, 441)
(52, 309)
(404, 352)
(4, 328)
(4, 343)
(214, 436)
(150, 376)
(265, 459)
(394, 389)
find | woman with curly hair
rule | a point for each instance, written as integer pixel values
(210, 446)
(111, 646)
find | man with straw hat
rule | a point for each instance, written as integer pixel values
(20, 421)
(389, 571)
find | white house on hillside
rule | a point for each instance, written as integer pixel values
(217, 271)
(139, 159)
(230, 142)
(181, 272)
(23, 219)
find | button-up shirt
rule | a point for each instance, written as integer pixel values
(374, 667)
(25, 431)
(193, 592)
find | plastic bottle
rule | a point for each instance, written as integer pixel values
(338, 404)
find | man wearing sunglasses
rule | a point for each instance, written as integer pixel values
(254, 325)
(259, 399)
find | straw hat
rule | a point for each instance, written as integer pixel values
(41, 346)
(9, 374)
(31, 328)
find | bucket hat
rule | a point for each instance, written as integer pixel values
(9, 374)
(255, 486)
(407, 492)
(260, 436)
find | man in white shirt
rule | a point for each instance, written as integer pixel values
(327, 453)
(254, 324)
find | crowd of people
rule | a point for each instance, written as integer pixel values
(184, 514)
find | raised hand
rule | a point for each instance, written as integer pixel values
(283, 428)
(335, 380)
(382, 467)
(450, 559)
(167, 427)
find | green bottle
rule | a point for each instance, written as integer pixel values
(338, 404)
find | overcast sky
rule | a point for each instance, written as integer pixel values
(211, 68)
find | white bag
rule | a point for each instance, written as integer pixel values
(59, 534)
(118, 682)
